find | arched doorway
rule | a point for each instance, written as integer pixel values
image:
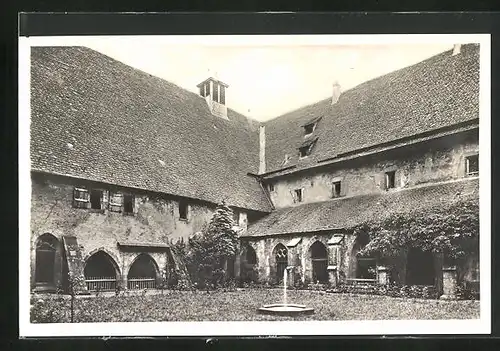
(142, 274)
(319, 258)
(250, 255)
(248, 261)
(362, 268)
(45, 260)
(280, 254)
(101, 272)
(420, 268)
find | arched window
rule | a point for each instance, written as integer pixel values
(101, 272)
(45, 259)
(142, 273)
(250, 255)
(319, 258)
(281, 257)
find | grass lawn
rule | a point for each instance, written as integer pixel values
(242, 306)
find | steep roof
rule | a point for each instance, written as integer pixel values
(438, 92)
(348, 212)
(95, 118)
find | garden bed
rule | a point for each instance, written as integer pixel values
(242, 305)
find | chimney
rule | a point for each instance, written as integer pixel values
(456, 49)
(336, 93)
(262, 149)
(214, 92)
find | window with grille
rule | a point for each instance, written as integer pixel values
(281, 256)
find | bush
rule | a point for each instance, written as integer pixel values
(207, 253)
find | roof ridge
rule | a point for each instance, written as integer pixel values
(318, 102)
(185, 90)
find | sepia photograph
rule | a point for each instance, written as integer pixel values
(309, 184)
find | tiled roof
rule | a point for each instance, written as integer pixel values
(438, 92)
(348, 212)
(95, 118)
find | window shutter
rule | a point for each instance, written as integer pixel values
(104, 199)
(81, 198)
(136, 204)
(116, 202)
(293, 196)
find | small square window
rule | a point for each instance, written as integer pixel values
(472, 165)
(95, 199)
(183, 210)
(336, 189)
(298, 195)
(128, 204)
(390, 180)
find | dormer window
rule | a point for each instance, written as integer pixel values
(304, 151)
(306, 148)
(309, 128)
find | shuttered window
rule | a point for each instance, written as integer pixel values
(116, 202)
(81, 198)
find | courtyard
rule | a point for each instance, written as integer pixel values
(241, 305)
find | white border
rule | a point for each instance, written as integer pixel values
(384, 327)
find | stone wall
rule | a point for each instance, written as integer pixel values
(299, 255)
(341, 257)
(155, 221)
(439, 160)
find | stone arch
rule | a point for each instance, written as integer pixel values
(318, 254)
(47, 261)
(143, 272)
(279, 261)
(249, 254)
(306, 261)
(101, 271)
(361, 267)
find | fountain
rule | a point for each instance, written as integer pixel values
(285, 308)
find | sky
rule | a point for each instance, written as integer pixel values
(264, 80)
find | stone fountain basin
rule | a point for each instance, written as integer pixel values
(285, 310)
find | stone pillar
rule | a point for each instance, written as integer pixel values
(333, 254)
(449, 283)
(383, 275)
(332, 276)
(291, 276)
